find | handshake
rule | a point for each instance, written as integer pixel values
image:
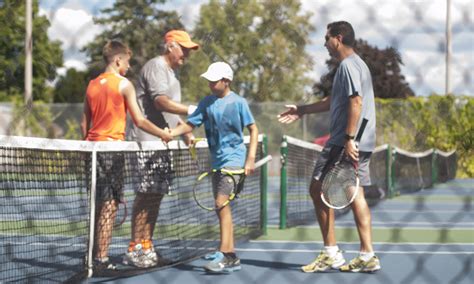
(184, 129)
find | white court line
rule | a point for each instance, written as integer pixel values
(450, 225)
(419, 211)
(357, 251)
(357, 243)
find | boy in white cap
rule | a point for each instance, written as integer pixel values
(224, 114)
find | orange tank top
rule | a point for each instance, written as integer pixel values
(107, 107)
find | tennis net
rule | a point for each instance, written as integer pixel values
(47, 189)
(393, 171)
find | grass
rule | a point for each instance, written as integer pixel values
(393, 235)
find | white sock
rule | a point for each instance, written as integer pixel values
(331, 250)
(366, 256)
(102, 259)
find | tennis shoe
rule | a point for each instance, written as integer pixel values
(103, 266)
(359, 265)
(211, 255)
(324, 262)
(151, 254)
(140, 258)
(223, 264)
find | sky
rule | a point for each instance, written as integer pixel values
(417, 28)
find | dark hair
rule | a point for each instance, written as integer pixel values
(345, 29)
(112, 48)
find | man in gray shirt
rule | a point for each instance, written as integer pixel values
(351, 100)
(159, 98)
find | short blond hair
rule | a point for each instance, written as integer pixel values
(113, 48)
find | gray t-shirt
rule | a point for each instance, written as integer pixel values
(352, 78)
(156, 79)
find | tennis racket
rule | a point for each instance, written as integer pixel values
(341, 183)
(203, 192)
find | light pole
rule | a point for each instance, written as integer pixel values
(448, 48)
(28, 56)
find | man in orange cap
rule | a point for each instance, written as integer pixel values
(159, 97)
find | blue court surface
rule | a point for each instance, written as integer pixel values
(422, 237)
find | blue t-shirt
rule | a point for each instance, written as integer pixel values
(224, 122)
(352, 78)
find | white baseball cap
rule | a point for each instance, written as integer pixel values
(217, 71)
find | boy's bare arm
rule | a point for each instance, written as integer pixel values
(138, 118)
(252, 151)
(86, 119)
(181, 129)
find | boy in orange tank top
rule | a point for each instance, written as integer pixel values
(108, 97)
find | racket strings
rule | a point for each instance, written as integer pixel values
(340, 186)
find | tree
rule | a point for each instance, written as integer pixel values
(47, 55)
(71, 87)
(140, 24)
(384, 65)
(264, 42)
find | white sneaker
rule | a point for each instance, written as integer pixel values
(324, 262)
(151, 254)
(139, 258)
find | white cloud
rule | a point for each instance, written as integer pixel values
(73, 27)
(72, 63)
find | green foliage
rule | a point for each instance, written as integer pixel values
(37, 121)
(264, 42)
(73, 130)
(384, 66)
(47, 55)
(71, 87)
(140, 24)
(418, 124)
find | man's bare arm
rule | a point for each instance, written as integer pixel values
(164, 103)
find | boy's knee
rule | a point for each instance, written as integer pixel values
(315, 190)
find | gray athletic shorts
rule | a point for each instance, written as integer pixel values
(329, 156)
(222, 183)
(155, 170)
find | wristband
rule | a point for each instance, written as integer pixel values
(191, 109)
(349, 137)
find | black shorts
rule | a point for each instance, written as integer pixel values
(110, 176)
(328, 157)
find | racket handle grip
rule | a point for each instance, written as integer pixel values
(263, 161)
(361, 129)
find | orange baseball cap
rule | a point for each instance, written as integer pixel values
(182, 38)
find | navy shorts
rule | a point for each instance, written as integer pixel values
(329, 156)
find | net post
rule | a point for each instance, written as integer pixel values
(283, 182)
(389, 172)
(393, 153)
(434, 167)
(264, 188)
(92, 203)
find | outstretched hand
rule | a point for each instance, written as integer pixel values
(290, 115)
